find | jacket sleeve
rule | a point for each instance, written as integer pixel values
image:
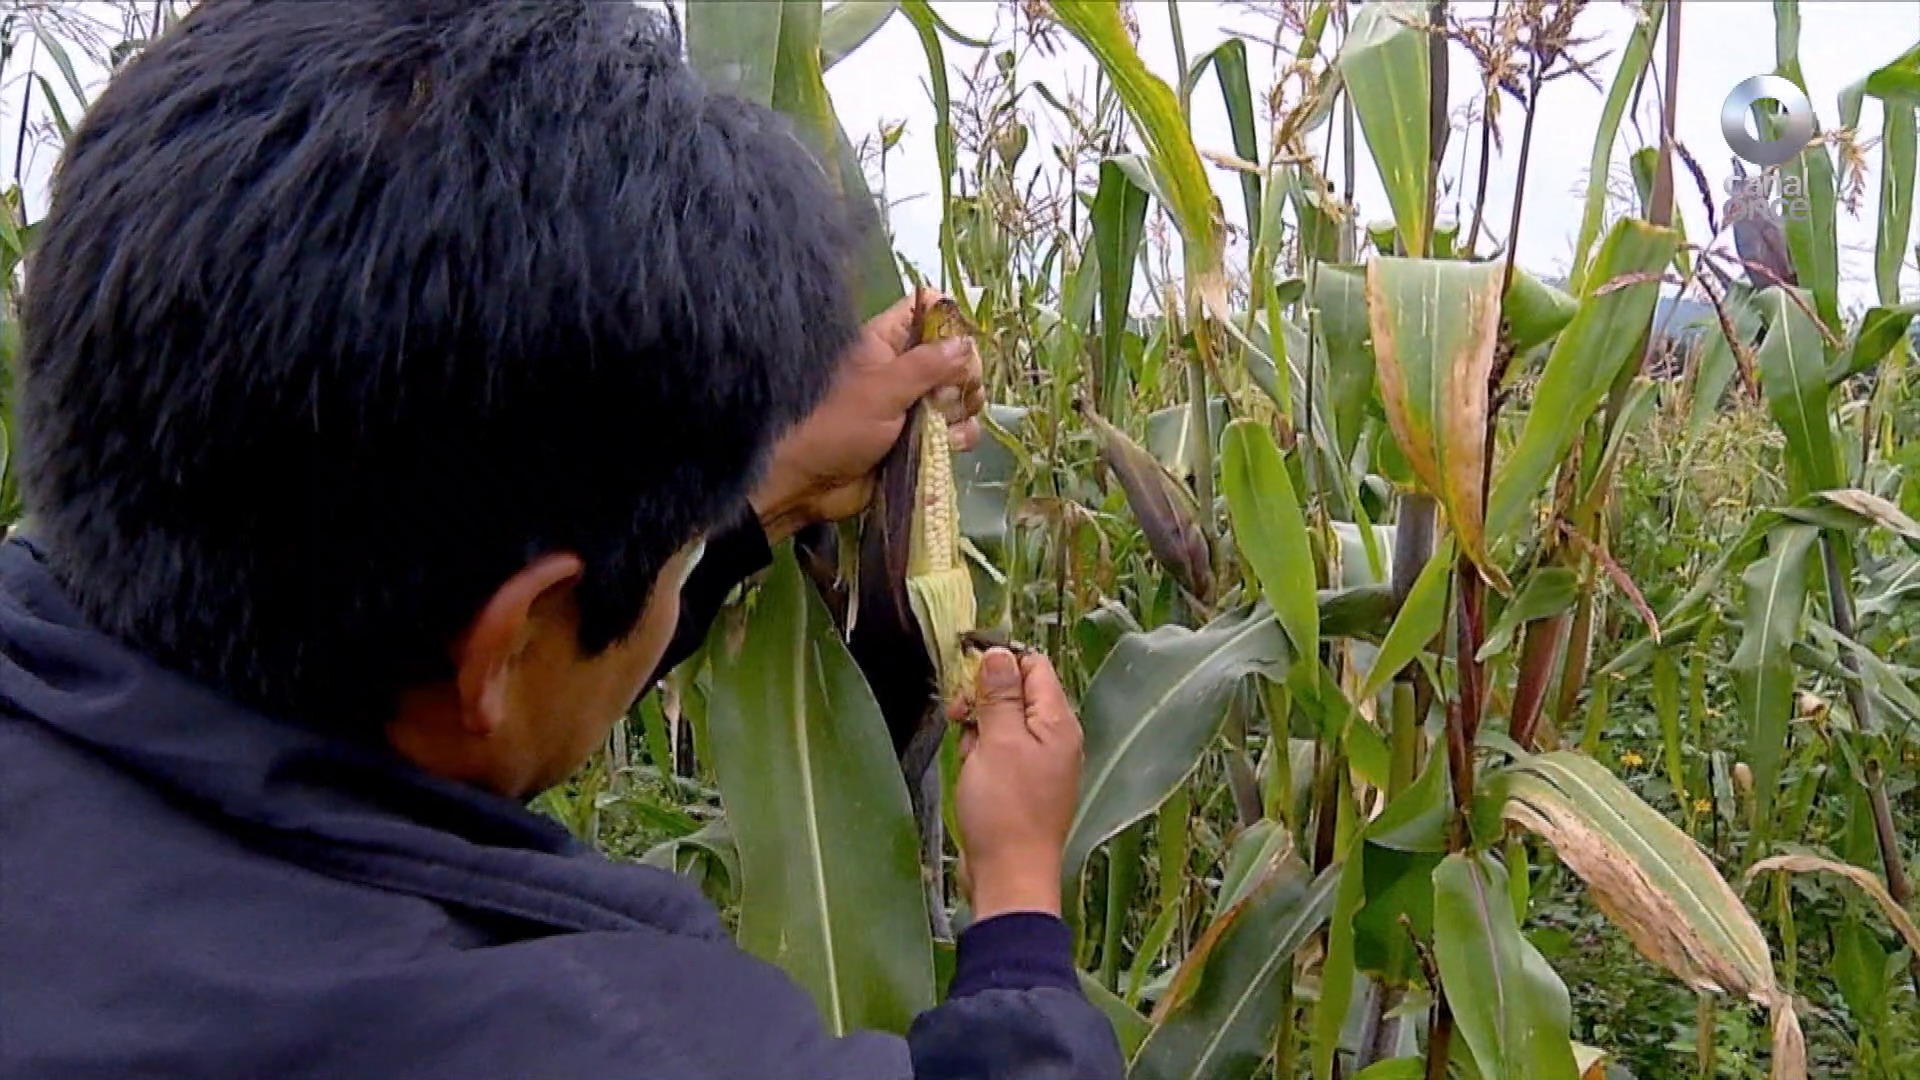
(734, 553)
(1014, 1010)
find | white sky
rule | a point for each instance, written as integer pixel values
(1724, 41)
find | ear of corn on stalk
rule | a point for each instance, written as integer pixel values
(1168, 514)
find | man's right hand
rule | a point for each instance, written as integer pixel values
(1019, 779)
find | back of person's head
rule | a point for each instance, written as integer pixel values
(343, 312)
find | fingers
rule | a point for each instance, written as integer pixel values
(1049, 714)
(1000, 703)
(959, 709)
(965, 435)
(895, 325)
(942, 365)
(949, 371)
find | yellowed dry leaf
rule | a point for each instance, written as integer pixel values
(1868, 882)
(1651, 919)
(1436, 329)
(1657, 885)
(1875, 509)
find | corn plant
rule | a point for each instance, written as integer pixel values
(1349, 579)
(1350, 536)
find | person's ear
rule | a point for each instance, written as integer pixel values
(499, 636)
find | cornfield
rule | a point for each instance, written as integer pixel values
(1482, 674)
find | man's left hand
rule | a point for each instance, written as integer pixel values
(823, 470)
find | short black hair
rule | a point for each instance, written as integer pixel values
(343, 312)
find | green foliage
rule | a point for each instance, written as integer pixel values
(1310, 810)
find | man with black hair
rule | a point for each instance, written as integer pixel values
(387, 369)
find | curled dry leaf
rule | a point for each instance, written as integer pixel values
(1621, 579)
(1868, 882)
(1875, 509)
(1656, 884)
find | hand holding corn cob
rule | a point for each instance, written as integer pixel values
(1019, 778)
(824, 470)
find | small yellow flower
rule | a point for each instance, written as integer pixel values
(1702, 806)
(1632, 760)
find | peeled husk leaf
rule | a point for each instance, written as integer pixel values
(904, 632)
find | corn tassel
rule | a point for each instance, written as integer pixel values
(939, 585)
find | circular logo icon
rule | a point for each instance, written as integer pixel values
(1795, 133)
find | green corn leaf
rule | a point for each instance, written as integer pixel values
(1880, 329)
(1616, 308)
(1383, 64)
(1896, 83)
(708, 855)
(1812, 238)
(1508, 1005)
(735, 44)
(1535, 311)
(829, 860)
(1898, 170)
(1793, 377)
(1776, 594)
(1402, 1068)
(1230, 71)
(1717, 364)
(1187, 193)
(799, 88)
(926, 24)
(1218, 1017)
(1626, 83)
(1545, 593)
(57, 49)
(1666, 708)
(1271, 532)
(1418, 622)
(1119, 225)
(1398, 854)
(848, 25)
(1338, 971)
(1339, 296)
(60, 121)
(1129, 1026)
(1257, 853)
(1152, 710)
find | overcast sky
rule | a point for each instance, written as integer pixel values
(1724, 42)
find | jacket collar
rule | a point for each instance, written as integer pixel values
(353, 810)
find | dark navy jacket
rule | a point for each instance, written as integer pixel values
(189, 889)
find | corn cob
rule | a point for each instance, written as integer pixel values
(1168, 515)
(939, 585)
